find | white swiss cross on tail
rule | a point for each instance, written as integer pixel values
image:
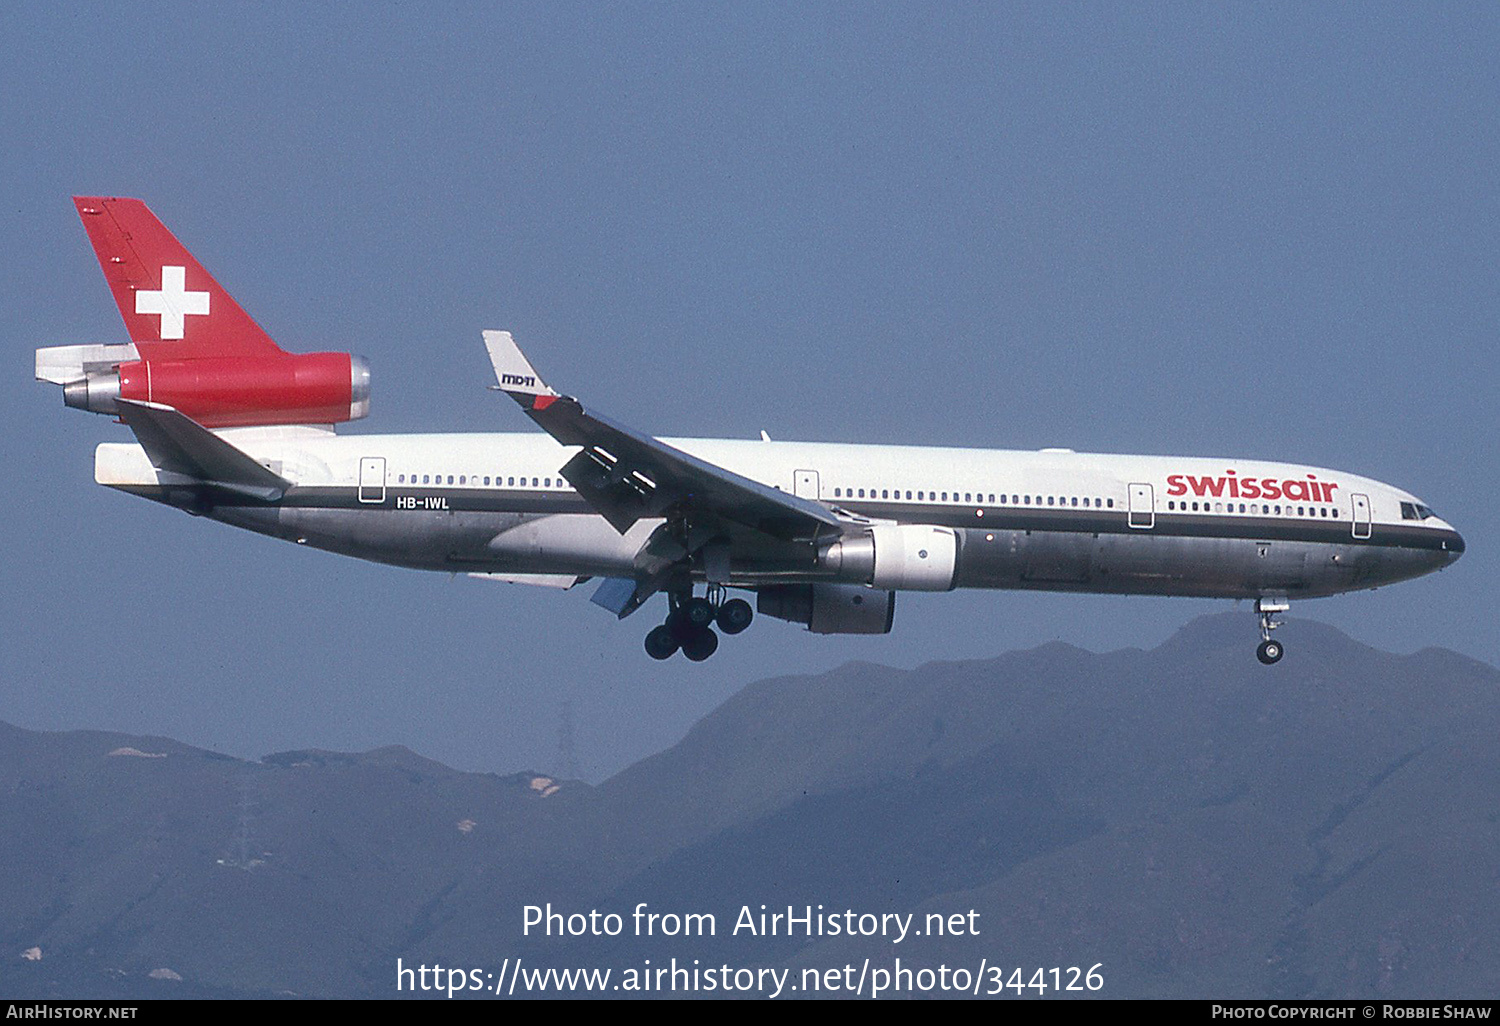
(173, 302)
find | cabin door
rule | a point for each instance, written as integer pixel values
(1361, 515)
(372, 479)
(1142, 507)
(805, 484)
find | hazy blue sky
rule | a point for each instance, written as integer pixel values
(1249, 230)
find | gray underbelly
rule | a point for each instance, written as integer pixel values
(1154, 564)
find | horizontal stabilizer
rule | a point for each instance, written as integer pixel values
(63, 365)
(178, 444)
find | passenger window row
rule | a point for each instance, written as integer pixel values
(1257, 508)
(982, 498)
(474, 481)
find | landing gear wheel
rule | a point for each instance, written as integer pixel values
(734, 616)
(661, 643)
(701, 645)
(697, 612)
(677, 623)
(1266, 607)
(688, 619)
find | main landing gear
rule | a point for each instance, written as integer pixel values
(690, 624)
(1270, 651)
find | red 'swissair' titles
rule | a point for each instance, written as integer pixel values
(1232, 486)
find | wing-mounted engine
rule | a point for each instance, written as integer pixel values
(830, 608)
(900, 557)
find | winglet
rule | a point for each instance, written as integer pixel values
(514, 372)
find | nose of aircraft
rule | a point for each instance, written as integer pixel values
(1454, 546)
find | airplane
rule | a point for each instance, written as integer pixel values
(231, 427)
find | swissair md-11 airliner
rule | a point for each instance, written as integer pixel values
(230, 426)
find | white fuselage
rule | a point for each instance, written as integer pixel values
(497, 503)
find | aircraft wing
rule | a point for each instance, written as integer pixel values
(627, 476)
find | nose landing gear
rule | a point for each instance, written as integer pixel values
(689, 626)
(1270, 651)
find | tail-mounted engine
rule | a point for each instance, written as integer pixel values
(217, 392)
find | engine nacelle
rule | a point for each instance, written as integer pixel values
(830, 608)
(240, 391)
(901, 557)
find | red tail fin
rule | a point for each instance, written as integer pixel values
(173, 308)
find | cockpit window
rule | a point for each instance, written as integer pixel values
(1423, 512)
(1416, 511)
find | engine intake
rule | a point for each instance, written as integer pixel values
(312, 388)
(830, 608)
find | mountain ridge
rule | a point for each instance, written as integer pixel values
(1203, 825)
